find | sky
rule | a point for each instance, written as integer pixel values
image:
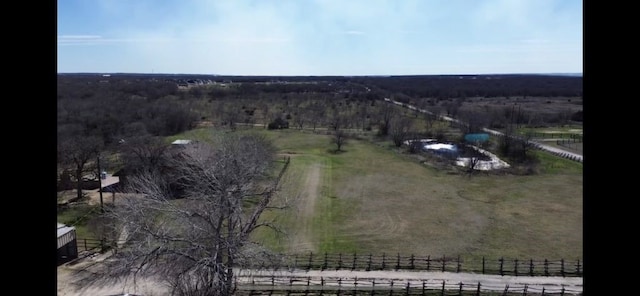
(320, 37)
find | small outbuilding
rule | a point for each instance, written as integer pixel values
(67, 243)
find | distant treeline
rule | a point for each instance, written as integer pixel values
(433, 86)
(461, 86)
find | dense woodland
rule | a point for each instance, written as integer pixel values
(99, 112)
(125, 105)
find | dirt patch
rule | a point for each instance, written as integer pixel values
(91, 197)
(77, 281)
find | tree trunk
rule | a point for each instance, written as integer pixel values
(79, 183)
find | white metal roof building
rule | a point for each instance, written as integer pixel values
(67, 246)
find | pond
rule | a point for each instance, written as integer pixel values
(463, 154)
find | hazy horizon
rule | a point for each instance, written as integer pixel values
(364, 75)
(320, 37)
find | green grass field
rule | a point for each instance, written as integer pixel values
(372, 199)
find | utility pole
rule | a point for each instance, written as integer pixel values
(100, 184)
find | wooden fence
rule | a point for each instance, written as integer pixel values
(286, 160)
(370, 262)
(274, 285)
(565, 136)
(91, 244)
(500, 266)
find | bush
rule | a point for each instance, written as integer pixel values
(278, 123)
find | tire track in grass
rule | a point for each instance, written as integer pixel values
(302, 239)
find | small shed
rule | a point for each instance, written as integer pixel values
(67, 243)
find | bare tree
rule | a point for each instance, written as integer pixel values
(387, 112)
(194, 241)
(300, 118)
(363, 114)
(317, 115)
(399, 129)
(430, 117)
(337, 120)
(77, 151)
(339, 138)
(472, 163)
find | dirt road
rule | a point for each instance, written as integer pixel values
(71, 283)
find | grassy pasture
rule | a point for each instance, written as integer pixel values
(371, 199)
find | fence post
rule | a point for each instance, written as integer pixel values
(412, 266)
(562, 267)
(355, 257)
(391, 288)
(423, 287)
(340, 261)
(102, 245)
(460, 289)
(428, 262)
(482, 264)
(578, 268)
(501, 264)
(406, 291)
(369, 263)
(531, 267)
(383, 263)
(324, 265)
(516, 266)
(444, 262)
(478, 290)
(310, 258)
(546, 267)
(442, 292)
(458, 268)
(398, 262)
(373, 287)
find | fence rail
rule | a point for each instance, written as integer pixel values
(90, 244)
(566, 136)
(339, 286)
(500, 266)
(371, 262)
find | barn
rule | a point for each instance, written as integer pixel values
(67, 244)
